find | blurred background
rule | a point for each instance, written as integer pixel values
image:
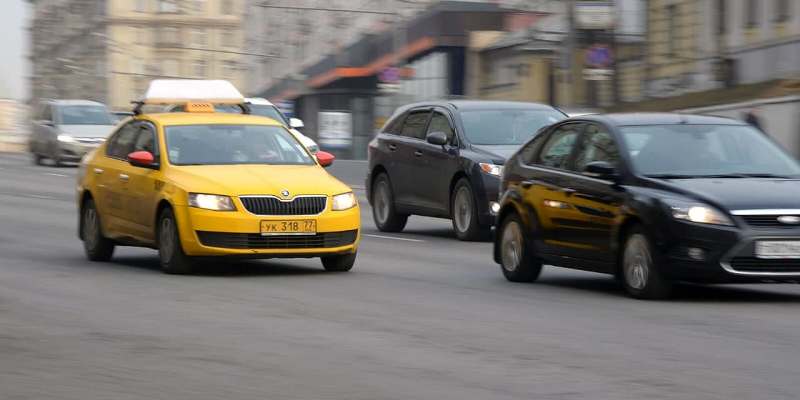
(344, 66)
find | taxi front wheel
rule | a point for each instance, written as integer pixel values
(170, 252)
(341, 263)
(96, 246)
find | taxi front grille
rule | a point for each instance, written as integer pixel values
(268, 205)
(753, 264)
(244, 241)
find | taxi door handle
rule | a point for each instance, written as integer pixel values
(124, 177)
(527, 184)
(98, 171)
(568, 191)
(392, 147)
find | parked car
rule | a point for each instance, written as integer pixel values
(651, 199)
(199, 184)
(444, 159)
(65, 130)
(264, 108)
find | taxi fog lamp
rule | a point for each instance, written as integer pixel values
(696, 253)
(344, 201)
(211, 202)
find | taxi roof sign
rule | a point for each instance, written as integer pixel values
(172, 91)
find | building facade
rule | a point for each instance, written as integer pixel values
(109, 50)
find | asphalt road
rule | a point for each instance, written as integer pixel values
(421, 316)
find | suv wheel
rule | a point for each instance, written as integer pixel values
(516, 259)
(464, 213)
(96, 246)
(641, 276)
(170, 252)
(383, 211)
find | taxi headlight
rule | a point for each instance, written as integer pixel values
(698, 213)
(66, 139)
(211, 202)
(344, 201)
(492, 169)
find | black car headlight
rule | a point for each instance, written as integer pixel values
(697, 212)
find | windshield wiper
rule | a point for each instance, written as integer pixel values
(674, 176)
(761, 175)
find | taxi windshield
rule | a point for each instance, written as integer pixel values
(233, 144)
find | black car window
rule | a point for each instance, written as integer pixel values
(597, 145)
(529, 151)
(440, 123)
(121, 144)
(414, 125)
(556, 151)
(146, 140)
(395, 126)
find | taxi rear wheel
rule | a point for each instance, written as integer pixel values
(96, 246)
(170, 252)
(342, 263)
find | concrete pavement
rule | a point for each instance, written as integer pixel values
(421, 316)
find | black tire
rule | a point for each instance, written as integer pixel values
(640, 268)
(464, 213)
(341, 263)
(386, 217)
(517, 260)
(37, 158)
(55, 156)
(96, 246)
(170, 252)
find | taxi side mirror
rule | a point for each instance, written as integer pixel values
(325, 159)
(142, 159)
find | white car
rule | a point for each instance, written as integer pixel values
(264, 108)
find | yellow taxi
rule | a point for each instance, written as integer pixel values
(199, 184)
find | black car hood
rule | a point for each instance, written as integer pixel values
(502, 152)
(742, 193)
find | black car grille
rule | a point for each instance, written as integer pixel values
(752, 264)
(266, 205)
(257, 241)
(767, 221)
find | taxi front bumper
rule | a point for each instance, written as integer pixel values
(208, 233)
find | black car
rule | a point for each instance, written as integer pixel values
(652, 199)
(444, 159)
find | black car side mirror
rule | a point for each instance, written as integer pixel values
(437, 138)
(601, 170)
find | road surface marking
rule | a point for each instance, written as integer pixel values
(54, 174)
(38, 196)
(394, 238)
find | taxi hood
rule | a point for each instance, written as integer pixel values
(241, 180)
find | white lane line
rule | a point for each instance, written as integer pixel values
(394, 238)
(54, 174)
(39, 196)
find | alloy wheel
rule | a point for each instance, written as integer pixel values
(91, 229)
(637, 262)
(166, 239)
(462, 212)
(511, 246)
(382, 202)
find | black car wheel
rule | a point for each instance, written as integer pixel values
(340, 263)
(464, 213)
(516, 260)
(170, 252)
(383, 210)
(37, 158)
(640, 274)
(96, 246)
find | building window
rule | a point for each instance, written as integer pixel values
(168, 6)
(140, 5)
(751, 13)
(169, 35)
(199, 6)
(226, 7)
(199, 68)
(672, 29)
(227, 38)
(199, 37)
(722, 16)
(170, 68)
(783, 12)
(228, 69)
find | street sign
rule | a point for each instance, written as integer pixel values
(598, 56)
(597, 74)
(597, 15)
(335, 129)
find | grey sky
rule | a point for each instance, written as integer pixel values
(14, 47)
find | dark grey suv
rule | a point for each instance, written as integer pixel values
(444, 159)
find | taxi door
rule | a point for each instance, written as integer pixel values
(140, 189)
(110, 180)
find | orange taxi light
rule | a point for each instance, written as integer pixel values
(199, 107)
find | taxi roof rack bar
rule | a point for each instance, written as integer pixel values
(137, 107)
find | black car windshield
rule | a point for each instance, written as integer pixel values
(84, 115)
(234, 144)
(689, 151)
(505, 127)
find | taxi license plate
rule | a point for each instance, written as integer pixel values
(295, 227)
(778, 249)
